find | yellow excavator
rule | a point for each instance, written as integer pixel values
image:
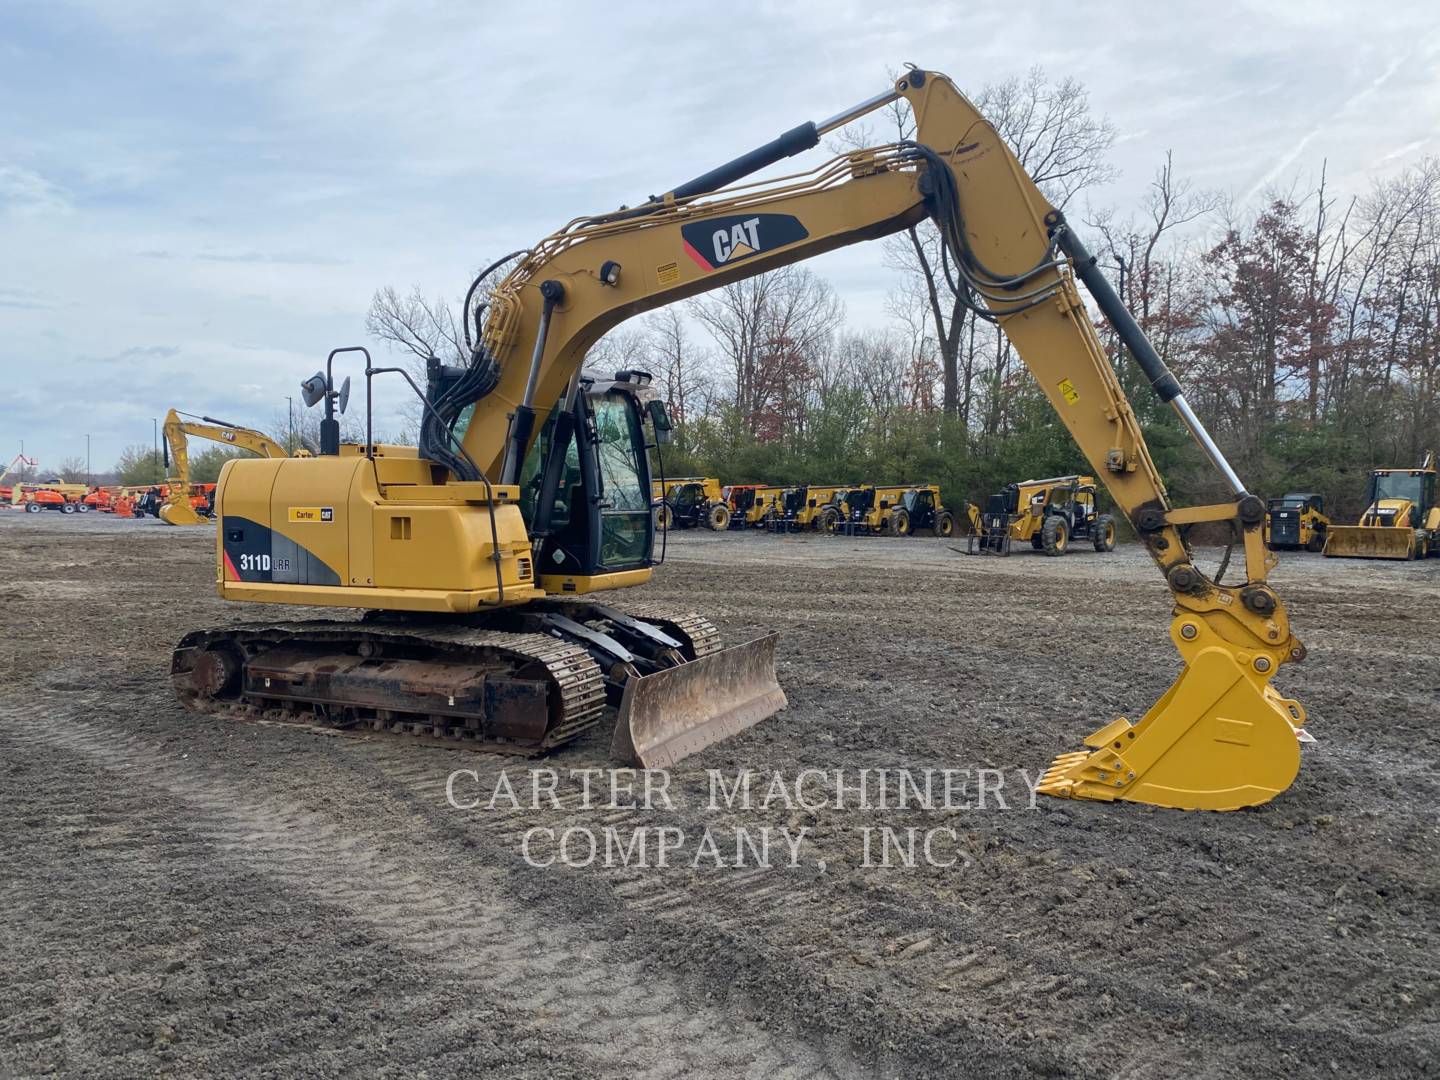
(1401, 518)
(484, 557)
(179, 507)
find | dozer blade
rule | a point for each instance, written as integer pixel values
(1369, 542)
(677, 712)
(1219, 739)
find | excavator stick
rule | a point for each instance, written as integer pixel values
(1369, 542)
(679, 711)
(1220, 738)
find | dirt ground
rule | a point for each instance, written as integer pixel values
(183, 896)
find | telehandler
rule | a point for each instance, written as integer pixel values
(752, 505)
(483, 555)
(896, 510)
(788, 505)
(850, 511)
(693, 503)
(920, 508)
(1296, 520)
(183, 505)
(1049, 514)
(1401, 518)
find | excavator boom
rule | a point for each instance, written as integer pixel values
(178, 508)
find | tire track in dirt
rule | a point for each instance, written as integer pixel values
(997, 960)
(190, 963)
(625, 1017)
(891, 656)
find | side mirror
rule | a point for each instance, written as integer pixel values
(312, 390)
(661, 422)
(344, 395)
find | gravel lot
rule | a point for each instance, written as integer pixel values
(183, 896)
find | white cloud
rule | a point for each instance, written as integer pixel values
(24, 191)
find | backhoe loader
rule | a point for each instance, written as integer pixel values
(183, 504)
(482, 555)
(1401, 518)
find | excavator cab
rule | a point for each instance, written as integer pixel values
(585, 482)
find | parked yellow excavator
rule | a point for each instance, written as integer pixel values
(180, 507)
(1401, 518)
(483, 556)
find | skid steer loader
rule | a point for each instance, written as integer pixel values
(1296, 521)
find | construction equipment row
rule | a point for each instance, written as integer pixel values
(125, 501)
(840, 509)
(1401, 519)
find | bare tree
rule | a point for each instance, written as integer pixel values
(765, 326)
(419, 327)
(72, 470)
(1050, 128)
(678, 365)
(415, 324)
(1060, 142)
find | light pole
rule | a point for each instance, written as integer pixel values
(155, 446)
(290, 413)
(87, 460)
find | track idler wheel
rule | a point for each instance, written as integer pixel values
(214, 672)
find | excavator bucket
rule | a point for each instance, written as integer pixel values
(1219, 739)
(181, 513)
(1369, 542)
(677, 712)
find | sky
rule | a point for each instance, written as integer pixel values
(198, 200)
